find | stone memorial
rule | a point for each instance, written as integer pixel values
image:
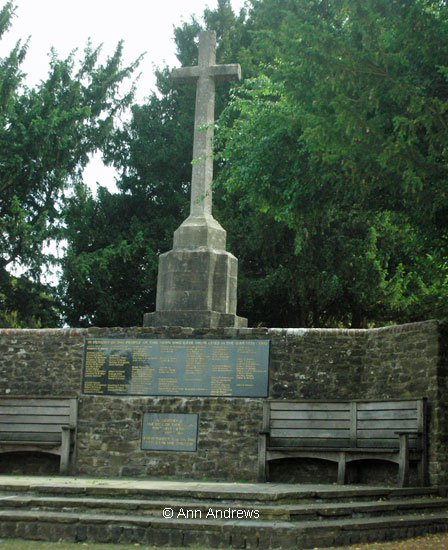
(197, 279)
(195, 395)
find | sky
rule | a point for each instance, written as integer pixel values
(144, 25)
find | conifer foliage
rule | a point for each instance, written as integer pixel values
(46, 135)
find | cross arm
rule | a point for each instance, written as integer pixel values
(220, 73)
(226, 72)
(186, 74)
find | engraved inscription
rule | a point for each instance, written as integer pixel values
(169, 432)
(234, 368)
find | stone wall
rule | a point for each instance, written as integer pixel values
(404, 361)
(44, 362)
(398, 361)
(439, 420)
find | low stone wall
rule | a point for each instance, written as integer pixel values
(391, 362)
(109, 438)
(44, 362)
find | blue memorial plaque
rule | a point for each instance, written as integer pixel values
(228, 368)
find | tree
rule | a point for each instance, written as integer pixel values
(109, 263)
(27, 303)
(344, 139)
(46, 135)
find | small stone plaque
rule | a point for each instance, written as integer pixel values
(169, 432)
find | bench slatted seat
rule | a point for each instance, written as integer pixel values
(39, 424)
(345, 431)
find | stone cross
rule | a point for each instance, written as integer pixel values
(197, 280)
(205, 74)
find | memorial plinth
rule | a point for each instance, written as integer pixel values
(197, 279)
(197, 284)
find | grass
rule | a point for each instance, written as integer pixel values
(430, 542)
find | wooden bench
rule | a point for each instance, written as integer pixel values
(39, 424)
(345, 431)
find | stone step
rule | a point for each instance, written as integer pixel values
(283, 512)
(213, 533)
(217, 492)
(355, 510)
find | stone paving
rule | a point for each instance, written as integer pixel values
(290, 516)
(252, 490)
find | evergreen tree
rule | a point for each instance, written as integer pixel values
(46, 135)
(343, 138)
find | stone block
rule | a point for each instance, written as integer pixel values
(8, 529)
(205, 319)
(198, 231)
(155, 536)
(199, 279)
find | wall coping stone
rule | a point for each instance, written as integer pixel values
(44, 331)
(352, 331)
(229, 332)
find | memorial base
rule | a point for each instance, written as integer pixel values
(196, 287)
(196, 319)
(197, 279)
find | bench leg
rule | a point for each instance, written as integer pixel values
(263, 468)
(65, 450)
(403, 466)
(342, 470)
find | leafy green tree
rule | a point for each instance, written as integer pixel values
(27, 303)
(109, 264)
(344, 140)
(109, 276)
(46, 135)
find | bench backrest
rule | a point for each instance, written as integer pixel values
(378, 422)
(346, 424)
(35, 419)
